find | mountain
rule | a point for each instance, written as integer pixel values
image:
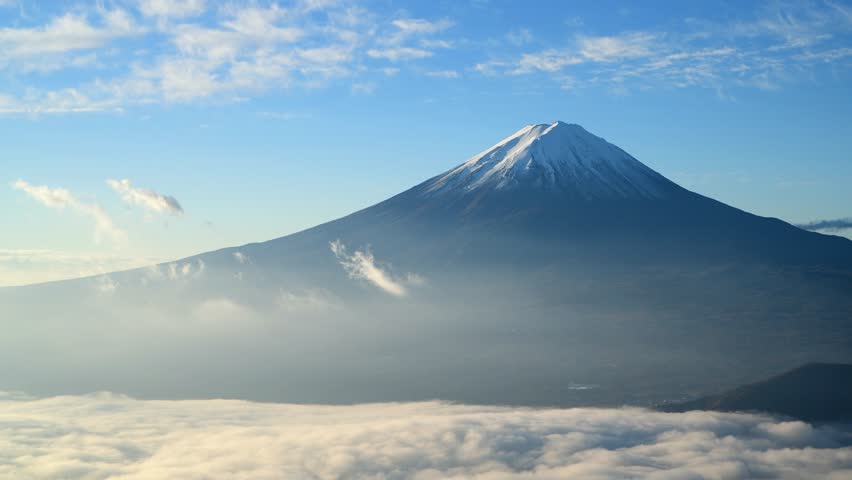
(551, 269)
(816, 392)
(573, 195)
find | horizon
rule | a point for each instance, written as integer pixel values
(219, 149)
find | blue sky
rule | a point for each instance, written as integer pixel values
(243, 121)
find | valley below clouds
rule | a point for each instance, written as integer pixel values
(107, 435)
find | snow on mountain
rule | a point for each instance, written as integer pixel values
(557, 156)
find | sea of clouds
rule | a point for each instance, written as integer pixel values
(112, 436)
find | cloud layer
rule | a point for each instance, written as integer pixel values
(111, 436)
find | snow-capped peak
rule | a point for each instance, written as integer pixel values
(556, 156)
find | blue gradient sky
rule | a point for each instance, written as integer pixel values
(263, 118)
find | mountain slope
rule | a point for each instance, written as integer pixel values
(813, 392)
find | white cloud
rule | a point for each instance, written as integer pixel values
(260, 24)
(421, 26)
(547, 61)
(285, 115)
(244, 50)
(233, 52)
(399, 53)
(172, 8)
(65, 33)
(252, 49)
(587, 49)
(607, 49)
(436, 43)
(68, 100)
(150, 200)
(113, 436)
(785, 42)
(361, 265)
(443, 74)
(241, 50)
(410, 39)
(60, 199)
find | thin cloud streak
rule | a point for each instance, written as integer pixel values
(835, 225)
(150, 200)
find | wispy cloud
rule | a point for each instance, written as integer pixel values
(62, 199)
(411, 26)
(150, 200)
(611, 48)
(410, 39)
(520, 36)
(547, 61)
(783, 42)
(399, 53)
(172, 8)
(442, 74)
(108, 435)
(361, 265)
(285, 115)
(66, 33)
(835, 225)
(231, 52)
(363, 88)
(227, 53)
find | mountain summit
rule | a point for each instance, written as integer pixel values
(558, 157)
